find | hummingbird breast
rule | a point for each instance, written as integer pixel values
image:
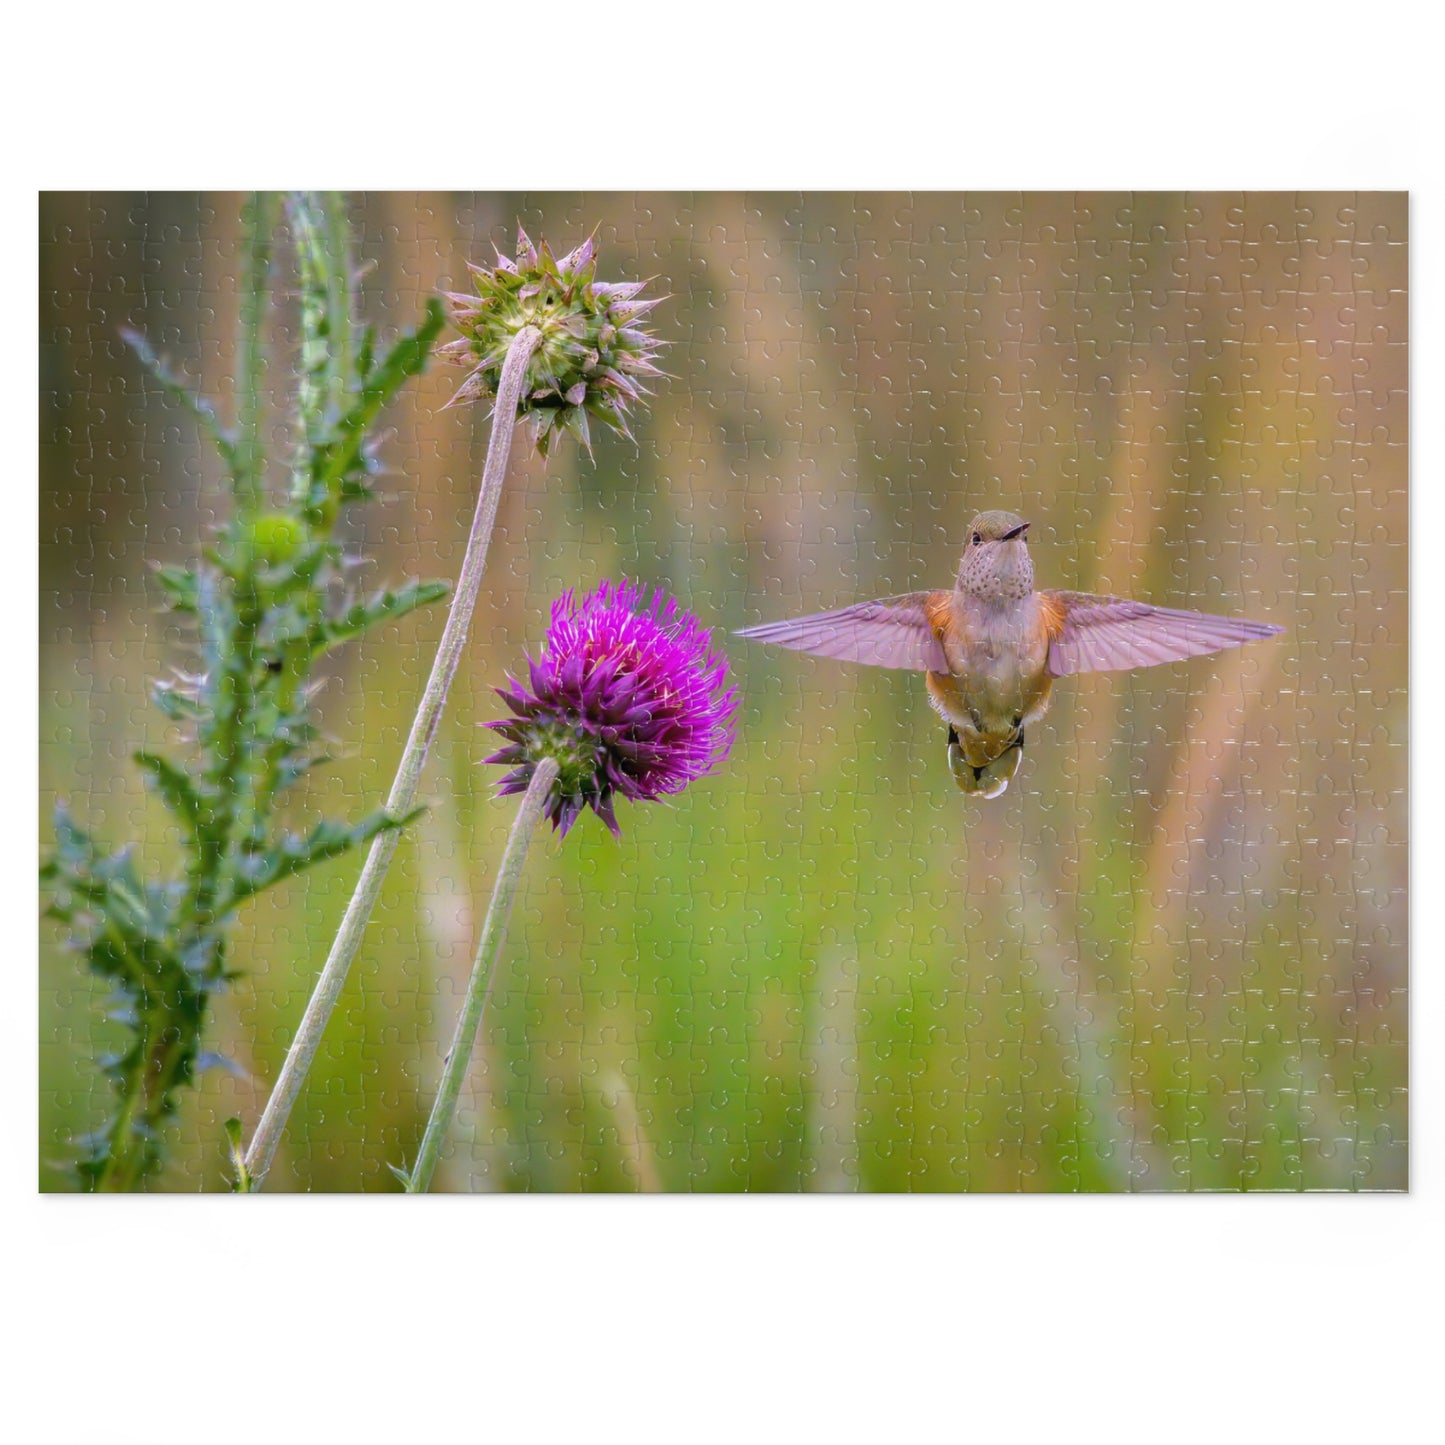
(998, 681)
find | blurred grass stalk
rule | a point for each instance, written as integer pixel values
(299, 1057)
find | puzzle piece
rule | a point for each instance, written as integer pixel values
(1170, 956)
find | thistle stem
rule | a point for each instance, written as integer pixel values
(256, 224)
(484, 970)
(413, 759)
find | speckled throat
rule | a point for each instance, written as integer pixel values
(995, 566)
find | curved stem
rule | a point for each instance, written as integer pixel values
(413, 759)
(484, 969)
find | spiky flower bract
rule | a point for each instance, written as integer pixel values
(627, 695)
(592, 355)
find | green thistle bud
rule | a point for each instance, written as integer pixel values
(593, 354)
(273, 539)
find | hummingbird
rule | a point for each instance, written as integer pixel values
(991, 646)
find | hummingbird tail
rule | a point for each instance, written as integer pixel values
(988, 781)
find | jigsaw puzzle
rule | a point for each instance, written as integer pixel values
(1079, 865)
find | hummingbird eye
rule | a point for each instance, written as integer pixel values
(978, 539)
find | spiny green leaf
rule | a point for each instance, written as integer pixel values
(407, 357)
(177, 789)
(124, 923)
(326, 840)
(355, 489)
(216, 612)
(74, 849)
(193, 401)
(402, 1175)
(384, 607)
(177, 702)
(181, 586)
(295, 766)
(366, 350)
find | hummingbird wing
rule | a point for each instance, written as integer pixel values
(1106, 634)
(892, 632)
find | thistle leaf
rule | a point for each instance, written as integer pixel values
(384, 607)
(193, 401)
(176, 787)
(327, 840)
(177, 702)
(181, 587)
(407, 357)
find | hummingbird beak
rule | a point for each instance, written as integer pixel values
(1017, 531)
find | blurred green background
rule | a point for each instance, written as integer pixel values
(1172, 956)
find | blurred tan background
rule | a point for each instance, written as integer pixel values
(1173, 956)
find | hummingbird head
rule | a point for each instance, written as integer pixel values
(995, 564)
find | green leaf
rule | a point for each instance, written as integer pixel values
(108, 890)
(193, 401)
(181, 586)
(327, 840)
(294, 766)
(383, 607)
(356, 489)
(209, 1059)
(177, 789)
(236, 1153)
(216, 612)
(406, 358)
(74, 853)
(177, 702)
(366, 351)
(402, 1175)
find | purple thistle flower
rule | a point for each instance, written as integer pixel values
(627, 695)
